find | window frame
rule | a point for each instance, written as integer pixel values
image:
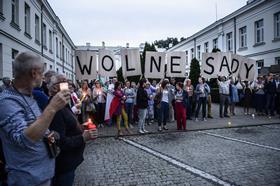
(259, 31)
(277, 23)
(243, 37)
(229, 43)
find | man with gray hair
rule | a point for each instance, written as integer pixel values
(23, 126)
(6, 83)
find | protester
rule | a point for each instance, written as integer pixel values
(41, 98)
(150, 110)
(172, 113)
(233, 94)
(23, 126)
(87, 108)
(72, 139)
(181, 104)
(75, 102)
(190, 91)
(129, 102)
(135, 109)
(142, 105)
(209, 103)
(247, 92)
(224, 96)
(46, 81)
(201, 90)
(163, 95)
(270, 91)
(99, 98)
(259, 97)
(6, 84)
(277, 105)
(117, 108)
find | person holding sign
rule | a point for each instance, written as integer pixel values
(224, 96)
(181, 103)
(202, 90)
(117, 108)
(162, 98)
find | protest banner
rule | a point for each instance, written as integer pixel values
(85, 65)
(131, 63)
(106, 63)
(176, 64)
(154, 65)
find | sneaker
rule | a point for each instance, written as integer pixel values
(204, 119)
(159, 128)
(141, 131)
(210, 117)
(131, 126)
(196, 119)
(128, 131)
(226, 116)
(165, 128)
(120, 133)
(145, 131)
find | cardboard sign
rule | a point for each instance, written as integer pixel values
(176, 64)
(85, 65)
(154, 65)
(131, 63)
(106, 63)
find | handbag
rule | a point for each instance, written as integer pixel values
(50, 142)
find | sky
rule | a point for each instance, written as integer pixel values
(117, 22)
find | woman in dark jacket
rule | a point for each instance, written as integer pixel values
(142, 105)
(72, 139)
(181, 104)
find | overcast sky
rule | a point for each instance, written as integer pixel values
(117, 22)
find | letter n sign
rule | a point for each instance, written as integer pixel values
(154, 65)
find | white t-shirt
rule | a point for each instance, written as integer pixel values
(165, 96)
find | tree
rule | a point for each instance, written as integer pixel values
(120, 75)
(194, 71)
(214, 50)
(170, 40)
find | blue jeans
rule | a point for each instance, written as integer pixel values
(65, 179)
(201, 101)
(128, 109)
(142, 116)
(270, 101)
(259, 102)
(163, 113)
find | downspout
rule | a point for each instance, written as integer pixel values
(42, 47)
(234, 25)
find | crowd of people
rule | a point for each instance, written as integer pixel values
(37, 112)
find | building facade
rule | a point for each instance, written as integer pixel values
(32, 25)
(252, 31)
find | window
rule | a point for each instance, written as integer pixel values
(215, 43)
(44, 35)
(14, 54)
(277, 60)
(277, 25)
(56, 43)
(50, 41)
(57, 70)
(259, 31)
(243, 37)
(1, 7)
(37, 29)
(15, 12)
(192, 53)
(63, 57)
(206, 47)
(198, 52)
(50, 67)
(260, 63)
(27, 19)
(229, 41)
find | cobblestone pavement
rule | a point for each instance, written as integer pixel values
(237, 156)
(239, 120)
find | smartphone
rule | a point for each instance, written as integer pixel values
(64, 86)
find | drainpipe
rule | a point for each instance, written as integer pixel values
(42, 48)
(234, 25)
(62, 53)
(194, 48)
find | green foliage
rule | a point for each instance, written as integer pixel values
(194, 71)
(214, 50)
(164, 43)
(120, 75)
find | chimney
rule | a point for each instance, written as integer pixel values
(103, 44)
(127, 45)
